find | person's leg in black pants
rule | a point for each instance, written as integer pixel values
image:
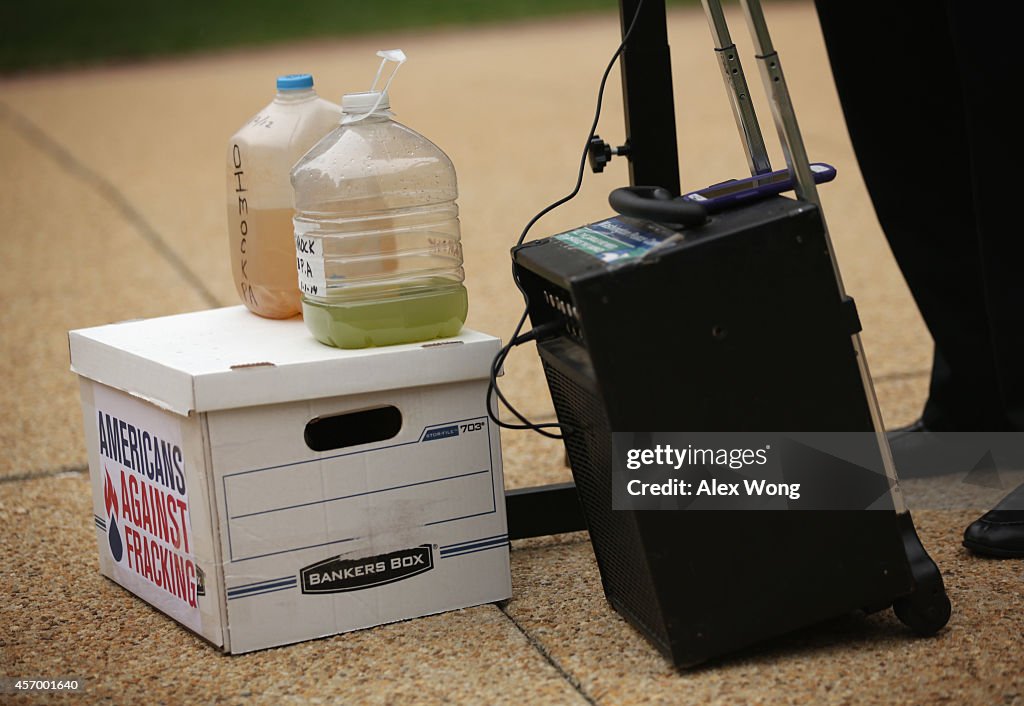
(896, 73)
(988, 58)
(925, 91)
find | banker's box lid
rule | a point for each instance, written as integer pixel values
(229, 358)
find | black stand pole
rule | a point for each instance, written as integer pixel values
(647, 97)
(653, 161)
(543, 510)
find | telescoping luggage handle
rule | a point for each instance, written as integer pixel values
(778, 96)
(796, 159)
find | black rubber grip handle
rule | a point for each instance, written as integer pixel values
(656, 204)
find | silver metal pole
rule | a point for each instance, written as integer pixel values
(782, 106)
(736, 87)
(806, 190)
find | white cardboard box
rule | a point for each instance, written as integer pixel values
(211, 505)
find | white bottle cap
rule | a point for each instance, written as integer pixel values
(359, 103)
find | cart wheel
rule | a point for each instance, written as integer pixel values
(924, 612)
(926, 609)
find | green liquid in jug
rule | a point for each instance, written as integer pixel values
(425, 313)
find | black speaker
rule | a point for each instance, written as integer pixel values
(737, 325)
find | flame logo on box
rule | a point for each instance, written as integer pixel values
(110, 502)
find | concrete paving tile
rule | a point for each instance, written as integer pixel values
(858, 659)
(61, 618)
(69, 261)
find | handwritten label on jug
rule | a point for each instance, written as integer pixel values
(241, 223)
(309, 261)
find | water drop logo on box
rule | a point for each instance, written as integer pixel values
(110, 503)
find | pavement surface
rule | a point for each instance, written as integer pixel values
(112, 202)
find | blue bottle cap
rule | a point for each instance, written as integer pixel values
(294, 82)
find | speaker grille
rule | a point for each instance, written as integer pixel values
(614, 536)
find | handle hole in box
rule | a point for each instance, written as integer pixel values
(339, 431)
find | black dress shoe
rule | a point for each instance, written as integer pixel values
(1000, 531)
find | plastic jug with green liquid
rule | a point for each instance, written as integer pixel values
(377, 238)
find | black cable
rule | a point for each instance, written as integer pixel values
(516, 339)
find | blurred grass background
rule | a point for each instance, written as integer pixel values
(45, 34)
